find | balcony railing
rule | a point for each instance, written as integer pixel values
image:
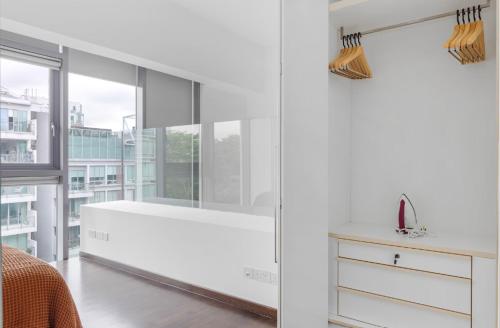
(17, 191)
(19, 127)
(19, 222)
(15, 157)
(76, 187)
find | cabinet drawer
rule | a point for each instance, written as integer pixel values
(445, 292)
(448, 264)
(390, 313)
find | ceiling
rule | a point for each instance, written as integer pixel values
(251, 19)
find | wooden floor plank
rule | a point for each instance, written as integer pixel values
(114, 299)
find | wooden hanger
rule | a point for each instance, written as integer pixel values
(469, 56)
(351, 61)
(467, 41)
(456, 31)
(475, 40)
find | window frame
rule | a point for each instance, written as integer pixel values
(53, 167)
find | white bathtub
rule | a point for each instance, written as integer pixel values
(201, 247)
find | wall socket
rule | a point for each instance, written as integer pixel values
(264, 276)
(99, 235)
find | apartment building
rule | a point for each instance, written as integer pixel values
(101, 164)
(19, 115)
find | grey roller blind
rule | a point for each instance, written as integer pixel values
(169, 100)
(30, 57)
(87, 64)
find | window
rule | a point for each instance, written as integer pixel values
(30, 108)
(101, 121)
(182, 162)
(96, 176)
(130, 174)
(74, 207)
(27, 102)
(129, 194)
(27, 212)
(149, 172)
(227, 159)
(113, 195)
(98, 197)
(112, 174)
(77, 178)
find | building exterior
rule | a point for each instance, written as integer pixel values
(101, 163)
(102, 167)
(18, 144)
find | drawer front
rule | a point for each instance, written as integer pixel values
(392, 314)
(435, 290)
(449, 264)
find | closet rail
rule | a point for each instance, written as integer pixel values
(412, 22)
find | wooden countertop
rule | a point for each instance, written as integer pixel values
(480, 246)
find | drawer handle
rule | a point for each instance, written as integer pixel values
(396, 258)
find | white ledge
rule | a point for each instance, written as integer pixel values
(461, 244)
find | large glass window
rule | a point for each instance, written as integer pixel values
(97, 175)
(182, 162)
(28, 217)
(102, 128)
(25, 113)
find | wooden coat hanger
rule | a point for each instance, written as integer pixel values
(467, 41)
(351, 61)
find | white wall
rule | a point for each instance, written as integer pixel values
(339, 155)
(200, 247)
(304, 261)
(424, 125)
(160, 31)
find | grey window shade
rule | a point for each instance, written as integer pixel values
(30, 57)
(169, 101)
(87, 64)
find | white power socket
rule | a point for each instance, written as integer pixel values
(264, 276)
(99, 235)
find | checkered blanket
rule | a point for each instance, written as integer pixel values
(34, 294)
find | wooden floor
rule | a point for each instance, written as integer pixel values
(109, 298)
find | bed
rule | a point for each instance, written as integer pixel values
(34, 294)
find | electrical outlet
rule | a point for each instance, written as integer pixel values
(263, 276)
(98, 235)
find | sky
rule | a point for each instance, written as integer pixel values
(104, 102)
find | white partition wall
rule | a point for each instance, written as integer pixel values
(304, 262)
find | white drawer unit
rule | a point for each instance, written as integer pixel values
(386, 312)
(447, 264)
(381, 279)
(440, 291)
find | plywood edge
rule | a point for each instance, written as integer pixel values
(348, 323)
(447, 250)
(338, 5)
(404, 302)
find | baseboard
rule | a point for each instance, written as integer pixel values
(259, 309)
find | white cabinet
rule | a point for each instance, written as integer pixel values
(411, 283)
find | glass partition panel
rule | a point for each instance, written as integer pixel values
(225, 165)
